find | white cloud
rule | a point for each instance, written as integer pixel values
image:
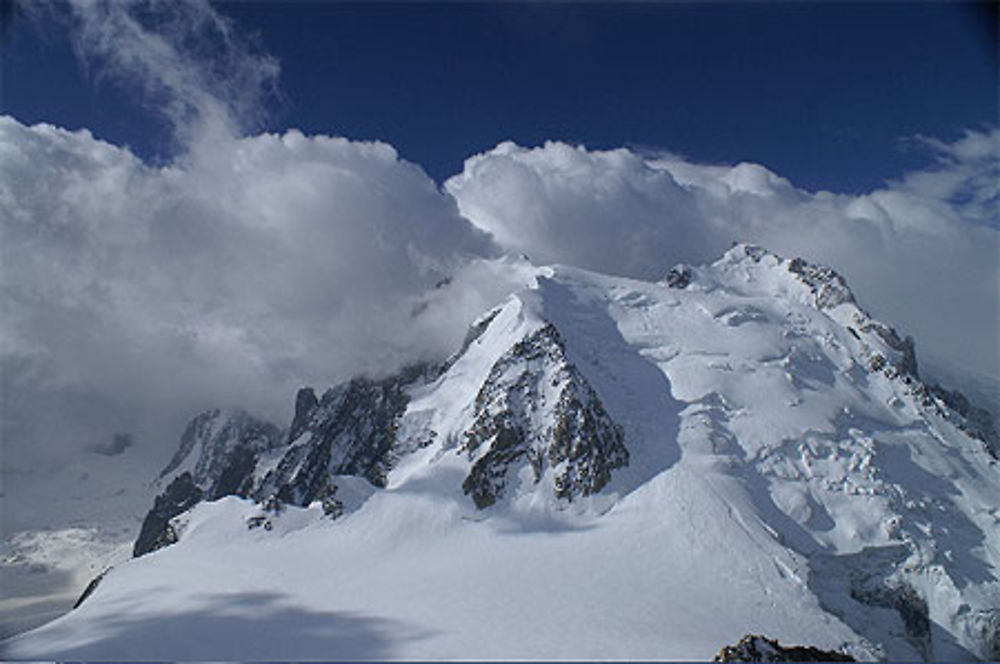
(922, 253)
(233, 276)
(188, 61)
(967, 176)
(605, 211)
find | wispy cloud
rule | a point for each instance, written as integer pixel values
(185, 60)
(966, 176)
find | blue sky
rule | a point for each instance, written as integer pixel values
(824, 94)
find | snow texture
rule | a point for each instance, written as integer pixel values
(608, 468)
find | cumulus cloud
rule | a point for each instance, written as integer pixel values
(230, 277)
(134, 296)
(921, 253)
(606, 211)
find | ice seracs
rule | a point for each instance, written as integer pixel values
(606, 468)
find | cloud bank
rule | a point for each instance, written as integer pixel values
(135, 296)
(231, 277)
(922, 253)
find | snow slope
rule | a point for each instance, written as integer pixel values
(784, 472)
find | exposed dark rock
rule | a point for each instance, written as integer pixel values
(908, 362)
(828, 288)
(752, 251)
(905, 600)
(487, 479)
(757, 648)
(578, 441)
(984, 625)
(362, 423)
(912, 608)
(181, 495)
(239, 430)
(352, 432)
(977, 422)
(305, 405)
(273, 505)
(586, 438)
(259, 521)
(332, 506)
(198, 429)
(237, 476)
(679, 277)
(217, 434)
(89, 590)
(229, 447)
(877, 362)
(306, 479)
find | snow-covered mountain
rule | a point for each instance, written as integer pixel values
(607, 468)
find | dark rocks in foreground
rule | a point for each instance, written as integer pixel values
(757, 648)
(91, 587)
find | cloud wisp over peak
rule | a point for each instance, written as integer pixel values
(284, 260)
(923, 253)
(185, 61)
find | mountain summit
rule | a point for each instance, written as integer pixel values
(607, 468)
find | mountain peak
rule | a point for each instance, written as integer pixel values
(216, 442)
(536, 410)
(819, 285)
(740, 424)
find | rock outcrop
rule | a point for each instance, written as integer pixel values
(536, 408)
(228, 450)
(350, 431)
(757, 648)
(181, 495)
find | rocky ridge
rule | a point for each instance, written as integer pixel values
(757, 648)
(536, 409)
(881, 347)
(350, 431)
